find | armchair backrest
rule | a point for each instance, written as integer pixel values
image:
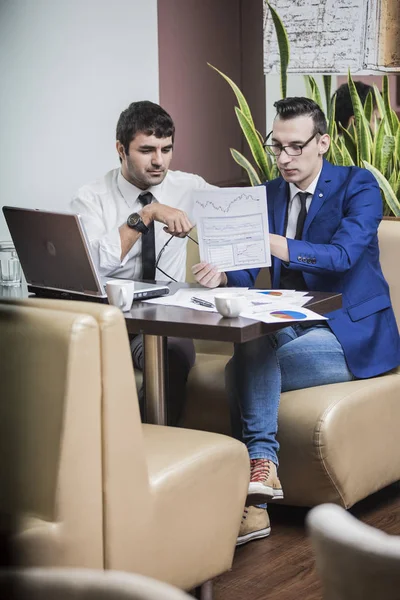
(86, 351)
(389, 245)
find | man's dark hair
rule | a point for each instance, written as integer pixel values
(290, 108)
(344, 107)
(144, 117)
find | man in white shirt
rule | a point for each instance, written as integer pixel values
(130, 214)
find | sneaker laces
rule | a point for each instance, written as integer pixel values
(259, 469)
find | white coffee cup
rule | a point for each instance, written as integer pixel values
(120, 293)
(229, 304)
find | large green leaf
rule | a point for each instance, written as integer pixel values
(364, 138)
(351, 143)
(337, 154)
(386, 101)
(244, 107)
(245, 164)
(283, 44)
(315, 93)
(377, 145)
(327, 79)
(254, 142)
(347, 158)
(308, 86)
(381, 109)
(388, 193)
(368, 107)
(387, 151)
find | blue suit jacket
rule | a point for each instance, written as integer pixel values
(339, 252)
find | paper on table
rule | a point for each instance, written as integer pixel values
(283, 314)
(232, 227)
(183, 297)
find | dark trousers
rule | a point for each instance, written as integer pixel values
(180, 356)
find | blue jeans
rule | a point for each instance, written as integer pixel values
(292, 358)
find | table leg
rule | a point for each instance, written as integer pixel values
(155, 378)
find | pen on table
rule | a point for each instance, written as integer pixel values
(202, 302)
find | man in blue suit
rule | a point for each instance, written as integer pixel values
(323, 222)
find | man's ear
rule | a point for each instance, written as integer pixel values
(324, 143)
(121, 150)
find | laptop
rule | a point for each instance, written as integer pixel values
(55, 257)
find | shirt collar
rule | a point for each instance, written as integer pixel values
(310, 190)
(130, 192)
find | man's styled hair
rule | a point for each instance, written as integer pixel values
(290, 108)
(144, 117)
(344, 106)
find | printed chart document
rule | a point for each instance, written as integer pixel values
(232, 227)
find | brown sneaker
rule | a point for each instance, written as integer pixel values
(264, 482)
(255, 524)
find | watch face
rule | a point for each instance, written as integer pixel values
(133, 219)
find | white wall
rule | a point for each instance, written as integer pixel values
(67, 70)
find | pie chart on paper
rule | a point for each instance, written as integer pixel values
(271, 293)
(290, 315)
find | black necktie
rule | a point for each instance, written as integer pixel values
(302, 215)
(148, 243)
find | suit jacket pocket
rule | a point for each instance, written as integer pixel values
(369, 307)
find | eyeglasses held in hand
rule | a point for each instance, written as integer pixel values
(161, 253)
(291, 150)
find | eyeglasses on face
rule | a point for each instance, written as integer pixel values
(161, 253)
(291, 150)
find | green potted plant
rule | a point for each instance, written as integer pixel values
(376, 147)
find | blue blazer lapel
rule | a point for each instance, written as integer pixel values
(321, 195)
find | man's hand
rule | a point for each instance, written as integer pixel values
(279, 247)
(176, 221)
(208, 275)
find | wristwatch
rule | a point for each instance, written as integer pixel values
(135, 221)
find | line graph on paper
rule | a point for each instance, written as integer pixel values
(214, 227)
(229, 204)
(249, 252)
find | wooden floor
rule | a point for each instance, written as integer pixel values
(282, 566)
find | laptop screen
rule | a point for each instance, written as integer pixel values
(52, 250)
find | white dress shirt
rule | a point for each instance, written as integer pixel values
(294, 205)
(106, 204)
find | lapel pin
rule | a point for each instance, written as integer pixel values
(320, 195)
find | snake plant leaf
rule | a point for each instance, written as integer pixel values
(254, 142)
(327, 79)
(244, 107)
(397, 148)
(338, 158)
(387, 151)
(283, 45)
(368, 107)
(315, 93)
(347, 158)
(395, 122)
(245, 164)
(351, 143)
(381, 109)
(308, 86)
(386, 101)
(387, 190)
(377, 145)
(364, 137)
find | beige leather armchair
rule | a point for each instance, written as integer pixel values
(354, 560)
(339, 443)
(90, 485)
(83, 584)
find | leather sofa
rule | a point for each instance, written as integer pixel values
(88, 484)
(339, 443)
